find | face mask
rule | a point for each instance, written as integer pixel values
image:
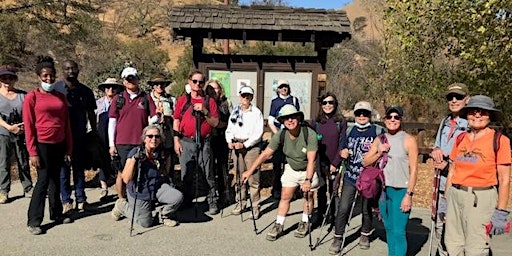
(362, 126)
(47, 87)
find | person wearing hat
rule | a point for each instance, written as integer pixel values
(359, 139)
(283, 97)
(478, 182)
(110, 87)
(243, 135)
(81, 103)
(400, 174)
(299, 144)
(165, 106)
(11, 134)
(457, 95)
(129, 112)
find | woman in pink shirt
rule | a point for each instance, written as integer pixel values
(48, 137)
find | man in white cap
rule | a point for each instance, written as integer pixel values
(283, 97)
(243, 135)
(128, 115)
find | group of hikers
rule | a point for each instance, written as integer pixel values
(142, 132)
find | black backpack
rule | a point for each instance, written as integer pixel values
(145, 102)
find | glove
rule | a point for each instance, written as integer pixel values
(499, 222)
(442, 205)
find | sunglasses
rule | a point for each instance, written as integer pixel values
(450, 96)
(282, 86)
(475, 111)
(330, 102)
(396, 117)
(197, 81)
(156, 136)
(131, 78)
(160, 84)
(364, 113)
(246, 95)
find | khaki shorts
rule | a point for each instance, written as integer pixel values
(292, 178)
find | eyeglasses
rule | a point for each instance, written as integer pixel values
(156, 136)
(364, 113)
(325, 102)
(475, 111)
(450, 96)
(396, 117)
(197, 81)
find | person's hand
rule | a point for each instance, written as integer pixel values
(231, 145)
(406, 204)
(15, 129)
(383, 147)
(177, 147)
(67, 159)
(200, 107)
(306, 186)
(245, 176)
(441, 165)
(34, 161)
(344, 153)
(437, 155)
(332, 168)
(442, 206)
(112, 150)
(499, 222)
(238, 145)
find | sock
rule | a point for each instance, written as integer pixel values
(280, 220)
(103, 186)
(305, 217)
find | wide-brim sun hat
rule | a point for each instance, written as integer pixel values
(482, 102)
(287, 111)
(110, 82)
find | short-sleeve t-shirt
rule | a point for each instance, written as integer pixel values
(296, 150)
(475, 161)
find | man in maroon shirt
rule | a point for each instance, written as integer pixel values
(128, 115)
(188, 108)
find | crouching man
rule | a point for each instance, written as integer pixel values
(147, 182)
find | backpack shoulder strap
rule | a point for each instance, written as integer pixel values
(350, 126)
(187, 105)
(120, 101)
(145, 102)
(496, 142)
(281, 138)
(305, 131)
(459, 138)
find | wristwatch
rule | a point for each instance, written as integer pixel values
(410, 193)
(308, 179)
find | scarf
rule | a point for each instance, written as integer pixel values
(236, 115)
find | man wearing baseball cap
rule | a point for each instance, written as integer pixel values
(128, 115)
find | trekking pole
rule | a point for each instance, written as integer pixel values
(323, 222)
(197, 167)
(252, 208)
(348, 222)
(139, 170)
(227, 187)
(435, 200)
(239, 184)
(306, 195)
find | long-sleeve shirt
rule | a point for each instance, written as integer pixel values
(46, 120)
(251, 129)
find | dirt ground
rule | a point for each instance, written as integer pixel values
(422, 195)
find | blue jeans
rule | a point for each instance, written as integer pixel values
(395, 221)
(78, 180)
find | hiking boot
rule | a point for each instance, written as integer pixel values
(170, 222)
(213, 209)
(117, 212)
(28, 192)
(336, 245)
(239, 208)
(3, 197)
(302, 230)
(82, 206)
(255, 213)
(103, 194)
(275, 232)
(364, 242)
(63, 219)
(67, 207)
(34, 230)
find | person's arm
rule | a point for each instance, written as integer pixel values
(266, 154)
(91, 107)
(437, 154)
(310, 170)
(503, 189)
(451, 172)
(129, 170)
(270, 122)
(375, 152)
(411, 146)
(29, 121)
(14, 129)
(212, 115)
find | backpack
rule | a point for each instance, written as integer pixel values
(495, 140)
(188, 104)
(371, 182)
(145, 102)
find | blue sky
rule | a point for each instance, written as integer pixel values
(321, 4)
